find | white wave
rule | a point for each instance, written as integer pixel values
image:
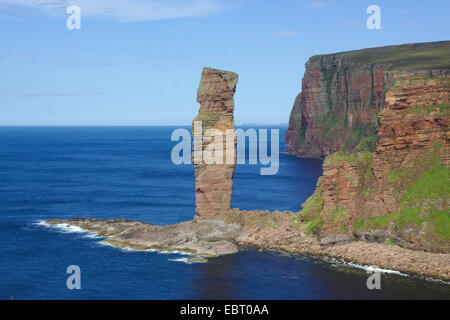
(185, 260)
(66, 228)
(43, 223)
(364, 267)
(107, 244)
(184, 253)
(376, 269)
(373, 269)
(92, 235)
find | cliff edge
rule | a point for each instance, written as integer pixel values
(399, 194)
(343, 94)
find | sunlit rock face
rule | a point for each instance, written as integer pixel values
(343, 94)
(400, 191)
(214, 155)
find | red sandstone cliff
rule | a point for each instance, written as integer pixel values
(342, 95)
(400, 193)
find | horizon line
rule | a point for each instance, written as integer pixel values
(130, 125)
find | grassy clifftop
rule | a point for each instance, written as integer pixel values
(430, 55)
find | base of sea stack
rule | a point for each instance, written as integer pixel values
(268, 230)
(208, 238)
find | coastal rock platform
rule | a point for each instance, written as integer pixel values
(207, 238)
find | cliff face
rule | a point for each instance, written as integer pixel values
(214, 185)
(343, 93)
(401, 192)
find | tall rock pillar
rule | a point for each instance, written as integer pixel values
(214, 154)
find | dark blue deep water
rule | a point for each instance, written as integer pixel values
(109, 172)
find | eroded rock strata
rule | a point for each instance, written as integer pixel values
(214, 182)
(342, 95)
(207, 238)
(400, 193)
(287, 231)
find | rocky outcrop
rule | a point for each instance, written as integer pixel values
(214, 181)
(287, 231)
(342, 95)
(208, 238)
(400, 193)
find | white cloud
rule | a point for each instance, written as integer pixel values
(127, 10)
(286, 34)
(316, 4)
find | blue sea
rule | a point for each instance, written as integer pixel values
(126, 172)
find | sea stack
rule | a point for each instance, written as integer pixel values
(211, 130)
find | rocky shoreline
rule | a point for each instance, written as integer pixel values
(277, 230)
(207, 238)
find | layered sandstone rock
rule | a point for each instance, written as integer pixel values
(286, 231)
(401, 192)
(208, 238)
(213, 181)
(342, 95)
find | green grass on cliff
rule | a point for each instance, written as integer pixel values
(340, 157)
(314, 225)
(405, 176)
(207, 116)
(337, 216)
(358, 224)
(332, 126)
(432, 184)
(430, 55)
(311, 211)
(361, 139)
(426, 186)
(301, 133)
(329, 123)
(313, 205)
(442, 108)
(420, 204)
(390, 241)
(367, 143)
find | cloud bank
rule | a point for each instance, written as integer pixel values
(126, 10)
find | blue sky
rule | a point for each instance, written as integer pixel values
(137, 62)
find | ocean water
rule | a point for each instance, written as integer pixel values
(126, 172)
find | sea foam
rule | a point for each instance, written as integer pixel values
(66, 228)
(184, 260)
(364, 267)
